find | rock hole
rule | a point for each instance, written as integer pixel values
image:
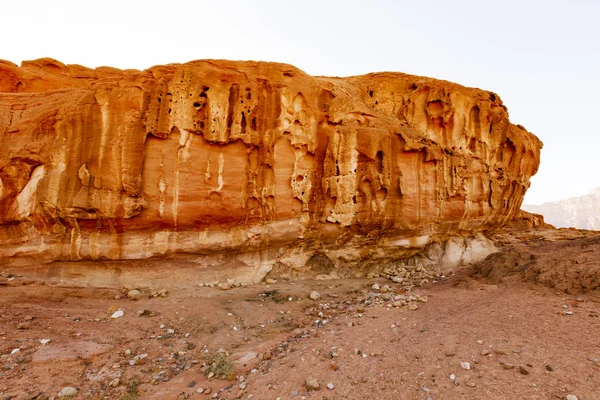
(370, 93)
(197, 104)
(243, 123)
(299, 178)
(288, 74)
(249, 96)
(413, 87)
(159, 99)
(253, 124)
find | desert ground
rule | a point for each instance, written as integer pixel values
(522, 324)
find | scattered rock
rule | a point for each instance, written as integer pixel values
(200, 390)
(507, 366)
(67, 392)
(523, 370)
(115, 382)
(375, 286)
(330, 386)
(45, 341)
(465, 365)
(470, 384)
(117, 314)
(572, 397)
(312, 384)
(15, 351)
(549, 368)
(23, 325)
(314, 295)
(271, 281)
(134, 294)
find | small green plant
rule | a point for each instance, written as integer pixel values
(221, 366)
(132, 390)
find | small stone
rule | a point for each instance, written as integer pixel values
(271, 281)
(192, 384)
(314, 295)
(523, 370)
(549, 368)
(568, 312)
(572, 397)
(412, 307)
(470, 384)
(28, 318)
(375, 286)
(15, 351)
(334, 366)
(45, 341)
(485, 352)
(200, 390)
(67, 391)
(115, 382)
(117, 314)
(23, 325)
(312, 384)
(452, 377)
(507, 366)
(243, 385)
(134, 294)
(465, 365)
(330, 386)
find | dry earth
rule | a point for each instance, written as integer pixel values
(526, 320)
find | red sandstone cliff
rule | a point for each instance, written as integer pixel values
(219, 156)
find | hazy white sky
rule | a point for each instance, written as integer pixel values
(541, 57)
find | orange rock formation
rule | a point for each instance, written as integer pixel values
(253, 160)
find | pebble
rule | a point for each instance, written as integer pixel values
(115, 382)
(330, 386)
(375, 286)
(572, 397)
(117, 314)
(465, 365)
(470, 384)
(312, 384)
(134, 294)
(67, 391)
(15, 351)
(271, 281)
(314, 295)
(200, 390)
(45, 341)
(452, 377)
(523, 370)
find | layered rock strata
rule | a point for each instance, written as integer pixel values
(249, 163)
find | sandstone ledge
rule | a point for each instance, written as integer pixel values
(255, 163)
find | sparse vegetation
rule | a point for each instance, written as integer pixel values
(132, 390)
(220, 365)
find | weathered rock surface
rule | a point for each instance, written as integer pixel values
(248, 164)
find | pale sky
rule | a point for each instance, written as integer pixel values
(541, 57)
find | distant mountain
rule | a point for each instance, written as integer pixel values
(579, 212)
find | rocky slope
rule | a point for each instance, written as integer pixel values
(581, 212)
(248, 164)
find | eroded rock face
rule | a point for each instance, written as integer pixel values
(247, 161)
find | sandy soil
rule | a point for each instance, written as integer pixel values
(527, 327)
